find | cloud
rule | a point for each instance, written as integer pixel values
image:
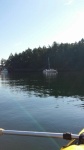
(69, 2)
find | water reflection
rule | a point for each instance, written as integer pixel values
(23, 106)
(64, 84)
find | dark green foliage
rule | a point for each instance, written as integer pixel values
(63, 57)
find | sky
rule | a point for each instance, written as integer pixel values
(32, 23)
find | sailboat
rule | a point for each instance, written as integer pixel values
(4, 71)
(49, 71)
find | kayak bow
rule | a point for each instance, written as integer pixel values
(76, 144)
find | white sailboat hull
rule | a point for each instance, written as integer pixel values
(50, 71)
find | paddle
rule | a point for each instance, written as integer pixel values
(67, 136)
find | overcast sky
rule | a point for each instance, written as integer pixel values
(34, 23)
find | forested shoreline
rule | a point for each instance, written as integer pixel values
(63, 57)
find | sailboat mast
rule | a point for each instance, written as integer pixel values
(48, 63)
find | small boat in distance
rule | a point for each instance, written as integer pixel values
(4, 71)
(50, 71)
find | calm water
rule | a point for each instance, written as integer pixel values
(39, 103)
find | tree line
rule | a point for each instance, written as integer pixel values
(63, 57)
